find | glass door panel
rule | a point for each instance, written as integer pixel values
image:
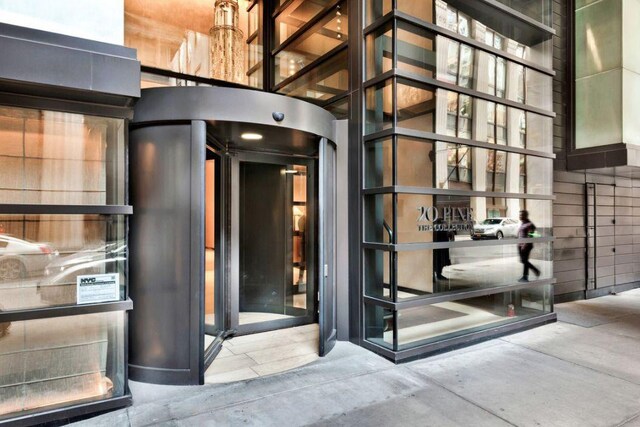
(276, 244)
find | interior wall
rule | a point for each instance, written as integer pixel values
(210, 195)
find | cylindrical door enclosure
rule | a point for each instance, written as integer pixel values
(167, 166)
(168, 145)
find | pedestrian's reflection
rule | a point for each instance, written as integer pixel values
(526, 230)
(441, 257)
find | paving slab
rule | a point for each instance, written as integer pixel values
(330, 401)
(628, 326)
(528, 388)
(598, 311)
(608, 353)
(426, 407)
(633, 422)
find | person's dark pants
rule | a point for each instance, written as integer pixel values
(524, 259)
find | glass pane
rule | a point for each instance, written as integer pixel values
(376, 9)
(419, 215)
(340, 108)
(539, 89)
(447, 320)
(539, 132)
(416, 50)
(295, 16)
(379, 51)
(466, 66)
(49, 363)
(50, 157)
(378, 218)
(379, 325)
(254, 55)
(326, 81)
(205, 39)
(377, 273)
(301, 235)
(41, 256)
(378, 163)
(450, 270)
(540, 10)
(210, 243)
(448, 60)
(379, 107)
(418, 9)
(276, 269)
(330, 32)
(414, 162)
(253, 17)
(416, 107)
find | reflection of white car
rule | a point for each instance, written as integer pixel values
(495, 228)
(20, 258)
(59, 283)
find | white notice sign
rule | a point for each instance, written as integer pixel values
(98, 288)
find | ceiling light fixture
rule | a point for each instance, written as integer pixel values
(251, 136)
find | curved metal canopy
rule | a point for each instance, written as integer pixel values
(222, 104)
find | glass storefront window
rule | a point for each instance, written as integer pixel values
(195, 38)
(50, 157)
(330, 32)
(447, 271)
(424, 163)
(418, 215)
(48, 363)
(323, 83)
(446, 320)
(41, 257)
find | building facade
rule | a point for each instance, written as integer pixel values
(174, 173)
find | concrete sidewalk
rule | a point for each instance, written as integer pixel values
(582, 371)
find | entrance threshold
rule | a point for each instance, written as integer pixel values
(263, 354)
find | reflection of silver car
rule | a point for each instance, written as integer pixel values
(21, 258)
(495, 228)
(59, 284)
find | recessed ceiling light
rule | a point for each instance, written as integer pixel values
(251, 136)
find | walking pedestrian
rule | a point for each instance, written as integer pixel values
(526, 230)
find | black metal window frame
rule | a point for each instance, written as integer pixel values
(297, 35)
(452, 35)
(125, 305)
(393, 132)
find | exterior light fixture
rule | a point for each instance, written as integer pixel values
(251, 136)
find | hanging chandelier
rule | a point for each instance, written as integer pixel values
(227, 54)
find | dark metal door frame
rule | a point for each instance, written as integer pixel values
(232, 280)
(219, 249)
